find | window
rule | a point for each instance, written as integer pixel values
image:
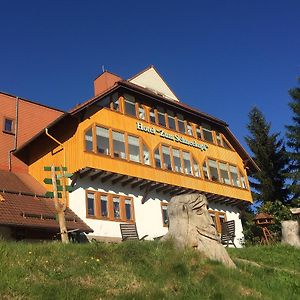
(166, 158)
(91, 204)
(219, 139)
(104, 206)
(161, 116)
(8, 125)
(181, 125)
(171, 120)
(218, 218)
(205, 171)
(224, 173)
(146, 155)
(110, 207)
(116, 207)
(102, 137)
(243, 180)
(187, 163)
(234, 176)
(89, 140)
(128, 209)
(115, 103)
(198, 132)
(134, 148)
(177, 161)
(207, 133)
(142, 113)
(189, 130)
(157, 159)
(118, 144)
(213, 170)
(129, 103)
(196, 168)
(164, 212)
(152, 115)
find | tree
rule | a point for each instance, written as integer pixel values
(270, 156)
(293, 142)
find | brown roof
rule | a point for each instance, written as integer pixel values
(35, 212)
(19, 206)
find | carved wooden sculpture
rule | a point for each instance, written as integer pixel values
(190, 225)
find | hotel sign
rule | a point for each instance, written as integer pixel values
(172, 137)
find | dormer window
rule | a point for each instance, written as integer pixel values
(8, 125)
(129, 103)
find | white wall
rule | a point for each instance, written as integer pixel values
(232, 213)
(148, 216)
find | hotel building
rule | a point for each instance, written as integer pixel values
(132, 147)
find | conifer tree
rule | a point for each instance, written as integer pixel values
(270, 156)
(293, 142)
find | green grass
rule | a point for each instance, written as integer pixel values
(143, 270)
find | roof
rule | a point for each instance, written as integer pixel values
(21, 206)
(22, 151)
(31, 101)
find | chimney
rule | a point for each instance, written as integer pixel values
(104, 82)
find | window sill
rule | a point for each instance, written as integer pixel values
(8, 132)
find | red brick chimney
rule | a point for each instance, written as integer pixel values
(105, 81)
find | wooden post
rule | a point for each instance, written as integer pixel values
(60, 206)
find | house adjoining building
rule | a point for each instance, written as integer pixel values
(25, 211)
(132, 147)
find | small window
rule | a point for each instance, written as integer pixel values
(177, 161)
(196, 168)
(213, 170)
(102, 135)
(171, 120)
(243, 180)
(205, 171)
(91, 204)
(142, 113)
(234, 176)
(181, 126)
(187, 162)
(219, 139)
(157, 158)
(104, 206)
(116, 207)
(161, 116)
(146, 155)
(129, 103)
(224, 173)
(115, 104)
(134, 148)
(128, 209)
(164, 211)
(207, 133)
(118, 144)
(198, 132)
(89, 140)
(166, 157)
(8, 125)
(189, 129)
(152, 115)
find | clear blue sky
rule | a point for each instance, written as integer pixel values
(222, 57)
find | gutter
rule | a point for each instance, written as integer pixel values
(16, 135)
(58, 142)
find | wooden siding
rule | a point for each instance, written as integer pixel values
(77, 158)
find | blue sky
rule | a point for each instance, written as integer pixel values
(221, 57)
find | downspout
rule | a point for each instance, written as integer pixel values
(58, 142)
(16, 135)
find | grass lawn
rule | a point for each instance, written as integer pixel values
(144, 270)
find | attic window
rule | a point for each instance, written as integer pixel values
(8, 125)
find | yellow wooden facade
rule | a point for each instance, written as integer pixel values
(74, 156)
